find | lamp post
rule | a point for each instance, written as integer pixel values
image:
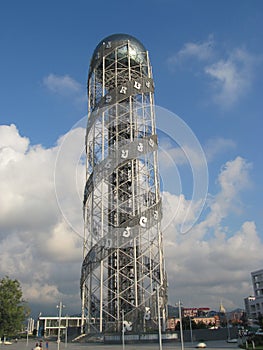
(60, 306)
(228, 329)
(181, 325)
(191, 331)
(66, 337)
(27, 331)
(123, 330)
(159, 318)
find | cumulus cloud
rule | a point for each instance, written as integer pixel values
(62, 85)
(10, 139)
(12, 145)
(33, 220)
(201, 51)
(212, 262)
(182, 161)
(216, 146)
(230, 78)
(171, 154)
(65, 86)
(41, 228)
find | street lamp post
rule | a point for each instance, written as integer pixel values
(66, 332)
(27, 331)
(159, 318)
(181, 325)
(191, 331)
(123, 330)
(228, 329)
(60, 306)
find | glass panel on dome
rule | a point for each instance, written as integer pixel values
(122, 51)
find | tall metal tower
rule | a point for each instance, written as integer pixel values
(123, 266)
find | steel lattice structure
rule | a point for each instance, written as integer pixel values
(123, 263)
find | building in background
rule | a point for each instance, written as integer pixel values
(49, 326)
(195, 311)
(210, 322)
(250, 307)
(204, 316)
(123, 279)
(254, 304)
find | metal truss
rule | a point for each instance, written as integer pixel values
(123, 251)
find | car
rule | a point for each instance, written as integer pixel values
(259, 332)
(201, 345)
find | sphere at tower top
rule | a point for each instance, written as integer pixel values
(120, 38)
(123, 45)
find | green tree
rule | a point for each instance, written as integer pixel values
(13, 309)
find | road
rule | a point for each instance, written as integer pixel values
(22, 345)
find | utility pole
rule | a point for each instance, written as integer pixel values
(159, 318)
(181, 325)
(60, 306)
(123, 330)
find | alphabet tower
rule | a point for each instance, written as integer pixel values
(123, 282)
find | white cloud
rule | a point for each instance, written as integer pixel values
(69, 250)
(12, 145)
(10, 138)
(200, 51)
(36, 240)
(203, 272)
(231, 77)
(37, 291)
(234, 177)
(63, 85)
(183, 170)
(171, 155)
(41, 237)
(212, 262)
(218, 145)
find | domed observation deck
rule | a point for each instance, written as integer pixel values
(117, 59)
(124, 46)
(116, 40)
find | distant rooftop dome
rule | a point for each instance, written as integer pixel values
(222, 310)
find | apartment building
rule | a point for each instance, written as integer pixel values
(254, 304)
(195, 311)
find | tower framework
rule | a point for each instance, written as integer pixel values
(123, 266)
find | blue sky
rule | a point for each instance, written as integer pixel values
(207, 64)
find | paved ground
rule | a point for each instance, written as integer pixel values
(22, 345)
